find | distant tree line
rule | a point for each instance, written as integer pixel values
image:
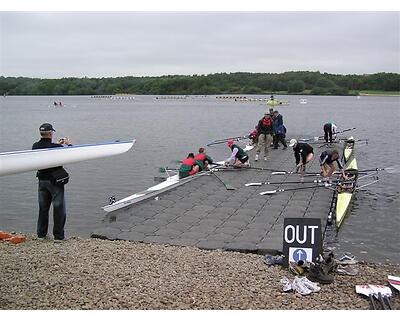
(295, 82)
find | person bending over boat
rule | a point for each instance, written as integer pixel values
(49, 190)
(238, 157)
(327, 159)
(188, 167)
(202, 159)
(264, 134)
(303, 154)
(330, 130)
(253, 136)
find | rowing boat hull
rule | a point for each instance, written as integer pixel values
(171, 183)
(342, 206)
(344, 198)
(29, 160)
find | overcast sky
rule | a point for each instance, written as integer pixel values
(109, 44)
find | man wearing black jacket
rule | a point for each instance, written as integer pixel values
(48, 190)
(303, 154)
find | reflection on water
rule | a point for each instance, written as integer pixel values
(168, 129)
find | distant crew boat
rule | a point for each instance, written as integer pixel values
(303, 101)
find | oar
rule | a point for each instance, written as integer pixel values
(166, 169)
(365, 185)
(381, 293)
(225, 140)
(345, 130)
(232, 138)
(227, 186)
(160, 179)
(388, 169)
(283, 182)
(307, 174)
(321, 137)
(293, 189)
(366, 291)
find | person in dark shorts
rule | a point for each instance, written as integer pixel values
(330, 130)
(303, 154)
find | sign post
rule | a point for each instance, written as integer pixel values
(302, 239)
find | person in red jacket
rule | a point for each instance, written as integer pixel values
(188, 167)
(253, 137)
(202, 159)
(264, 135)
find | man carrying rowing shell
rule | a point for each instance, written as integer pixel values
(238, 156)
(49, 190)
(327, 158)
(303, 154)
(330, 130)
(202, 159)
(188, 167)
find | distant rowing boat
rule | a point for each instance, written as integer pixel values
(273, 103)
(171, 183)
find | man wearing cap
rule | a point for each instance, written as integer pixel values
(264, 136)
(238, 156)
(303, 154)
(48, 191)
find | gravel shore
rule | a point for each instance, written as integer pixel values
(99, 274)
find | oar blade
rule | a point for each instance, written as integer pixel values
(268, 192)
(159, 179)
(278, 173)
(253, 184)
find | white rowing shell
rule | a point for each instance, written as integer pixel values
(28, 160)
(168, 184)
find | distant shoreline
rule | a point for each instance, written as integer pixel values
(122, 95)
(292, 82)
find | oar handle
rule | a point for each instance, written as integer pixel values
(371, 298)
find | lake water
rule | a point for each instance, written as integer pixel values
(167, 129)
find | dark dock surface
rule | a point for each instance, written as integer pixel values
(204, 214)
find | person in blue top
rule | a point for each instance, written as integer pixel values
(327, 158)
(279, 130)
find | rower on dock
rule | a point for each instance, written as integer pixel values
(303, 154)
(327, 158)
(188, 167)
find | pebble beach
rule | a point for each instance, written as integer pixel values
(99, 274)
